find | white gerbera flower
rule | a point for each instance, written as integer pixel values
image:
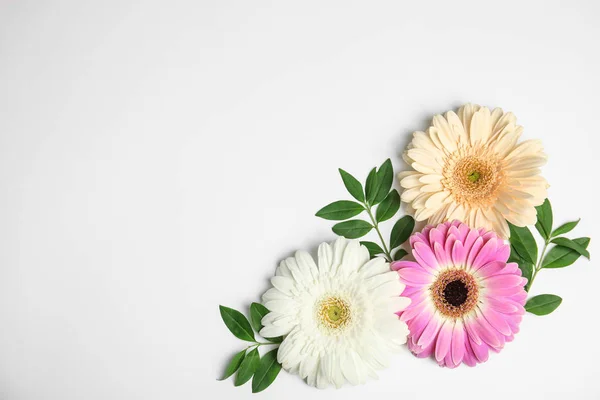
(469, 166)
(338, 317)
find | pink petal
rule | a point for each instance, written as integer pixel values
(436, 236)
(469, 356)
(440, 254)
(430, 332)
(486, 332)
(474, 250)
(472, 236)
(491, 269)
(425, 256)
(496, 320)
(503, 281)
(444, 339)
(448, 247)
(485, 254)
(459, 254)
(481, 351)
(471, 331)
(396, 265)
(414, 276)
(505, 307)
(458, 343)
(502, 253)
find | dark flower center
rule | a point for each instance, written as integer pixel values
(456, 293)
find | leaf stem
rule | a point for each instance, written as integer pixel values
(538, 266)
(376, 226)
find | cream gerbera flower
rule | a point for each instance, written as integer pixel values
(469, 167)
(338, 316)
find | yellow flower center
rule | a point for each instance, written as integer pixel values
(333, 313)
(473, 176)
(455, 292)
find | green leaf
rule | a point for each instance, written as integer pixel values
(257, 312)
(352, 229)
(374, 248)
(563, 241)
(267, 371)
(385, 177)
(353, 186)
(565, 228)
(523, 242)
(401, 231)
(237, 323)
(559, 256)
(340, 210)
(388, 207)
(247, 368)
(543, 304)
(527, 272)
(371, 186)
(514, 256)
(399, 254)
(234, 364)
(544, 219)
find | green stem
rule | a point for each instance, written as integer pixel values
(258, 344)
(538, 266)
(376, 226)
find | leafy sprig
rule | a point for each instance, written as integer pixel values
(380, 202)
(248, 363)
(564, 252)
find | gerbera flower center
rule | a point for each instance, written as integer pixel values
(455, 293)
(333, 313)
(473, 176)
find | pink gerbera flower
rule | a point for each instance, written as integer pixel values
(466, 299)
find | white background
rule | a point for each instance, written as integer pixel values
(158, 159)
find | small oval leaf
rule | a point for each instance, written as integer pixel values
(562, 241)
(543, 304)
(352, 229)
(401, 231)
(523, 242)
(400, 253)
(544, 219)
(374, 248)
(247, 368)
(565, 228)
(234, 364)
(385, 177)
(340, 210)
(388, 207)
(353, 186)
(371, 186)
(267, 371)
(559, 256)
(237, 323)
(257, 312)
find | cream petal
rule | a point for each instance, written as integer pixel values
(424, 213)
(457, 127)
(432, 188)
(410, 194)
(480, 126)
(430, 178)
(436, 200)
(412, 181)
(527, 148)
(426, 169)
(445, 133)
